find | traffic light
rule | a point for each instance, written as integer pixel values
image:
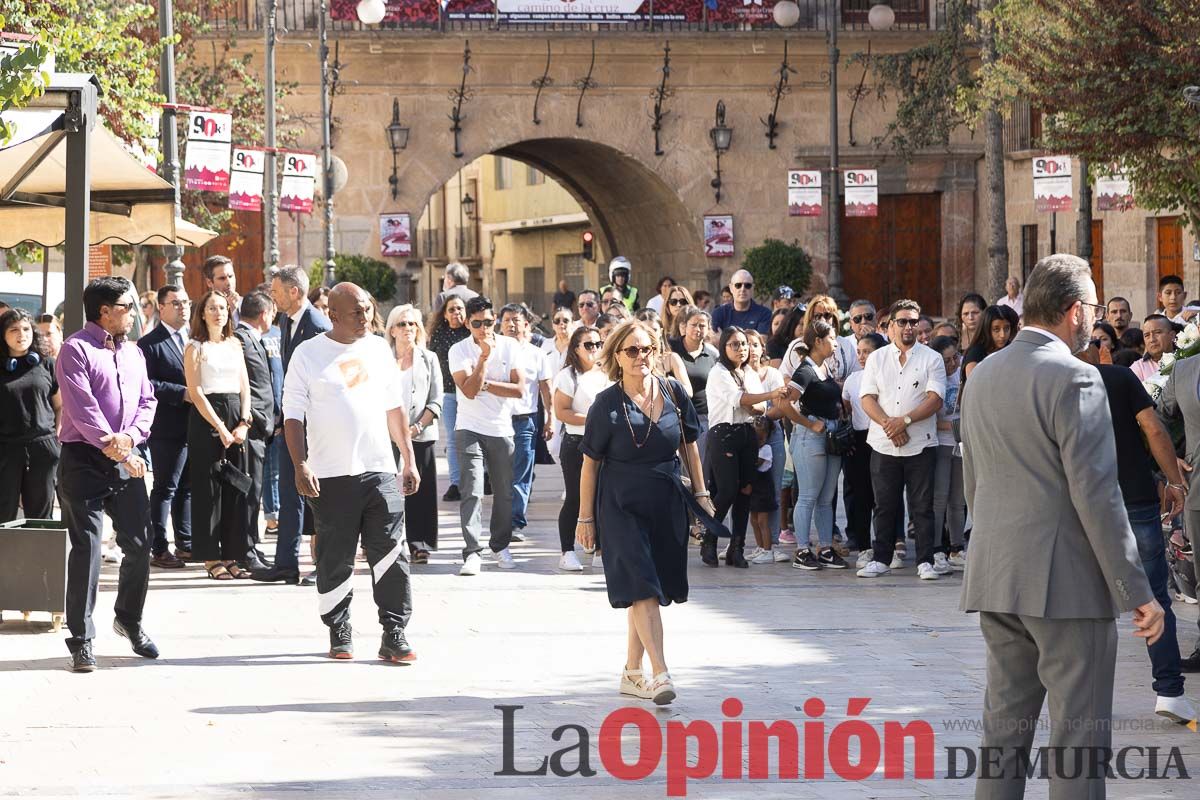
(588, 240)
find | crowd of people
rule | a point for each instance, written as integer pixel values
(680, 423)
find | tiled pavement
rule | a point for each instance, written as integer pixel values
(244, 703)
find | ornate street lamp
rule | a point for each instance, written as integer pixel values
(722, 137)
(468, 204)
(397, 140)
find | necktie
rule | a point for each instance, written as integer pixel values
(178, 337)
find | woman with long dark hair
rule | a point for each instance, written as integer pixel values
(771, 379)
(447, 327)
(575, 388)
(790, 329)
(994, 331)
(735, 395)
(29, 409)
(968, 318)
(219, 389)
(678, 299)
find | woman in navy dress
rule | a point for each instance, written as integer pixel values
(636, 432)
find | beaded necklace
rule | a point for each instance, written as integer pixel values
(649, 418)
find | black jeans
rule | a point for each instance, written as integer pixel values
(27, 477)
(732, 459)
(859, 495)
(171, 496)
(571, 460)
(891, 478)
(91, 486)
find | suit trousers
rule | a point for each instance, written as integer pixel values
(1070, 662)
(90, 486)
(27, 476)
(171, 495)
(475, 451)
(294, 515)
(892, 477)
(369, 505)
(256, 459)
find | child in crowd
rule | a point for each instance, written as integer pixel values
(762, 495)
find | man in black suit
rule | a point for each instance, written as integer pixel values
(298, 322)
(258, 312)
(172, 493)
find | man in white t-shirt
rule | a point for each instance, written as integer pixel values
(487, 376)
(537, 369)
(346, 384)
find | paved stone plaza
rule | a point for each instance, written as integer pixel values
(244, 702)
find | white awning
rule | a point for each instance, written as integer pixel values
(130, 204)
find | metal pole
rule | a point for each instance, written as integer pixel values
(271, 245)
(46, 281)
(170, 133)
(80, 117)
(1083, 226)
(835, 210)
(326, 154)
(1053, 233)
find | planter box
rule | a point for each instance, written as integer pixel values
(33, 567)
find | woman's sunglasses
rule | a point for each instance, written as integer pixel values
(677, 301)
(563, 321)
(404, 323)
(633, 351)
(590, 346)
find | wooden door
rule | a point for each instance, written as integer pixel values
(1170, 246)
(1098, 258)
(243, 245)
(897, 254)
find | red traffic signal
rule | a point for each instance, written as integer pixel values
(588, 242)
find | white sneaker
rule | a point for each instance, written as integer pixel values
(1177, 709)
(472, 565)
(897, 560)
(864, 558)
(926, 572)
(873, 570)
(940, 565)
(569, 562)
(633, 684)
(517, 536)
(597, 563)
(779, 556)
(504, 559)
(958, 560)
(763, 557)
(111, 555)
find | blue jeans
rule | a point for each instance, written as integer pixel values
(816, 481)
(524, 430)
(271, 477)
(778, 463)
(1164, 654)
(449, 415)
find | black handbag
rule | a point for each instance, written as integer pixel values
(839, 441)
(226, 472)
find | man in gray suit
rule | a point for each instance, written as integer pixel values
(1053, 560)
(454, 284)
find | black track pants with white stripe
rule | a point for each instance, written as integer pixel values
(369, 504)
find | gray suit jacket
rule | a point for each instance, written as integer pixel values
(1051, 537)
(1181, 398)
(426, 392)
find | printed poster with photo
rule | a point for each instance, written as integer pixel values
(395, 235)
(1052, 184)
(718, 236)
(804, 193)
(1114, 193)
(299, 182)
(206, 159)
(862, 192)
(246, 180)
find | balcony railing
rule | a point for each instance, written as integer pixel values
(302, 15)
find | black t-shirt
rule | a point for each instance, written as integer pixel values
(1126, 399)
(564, 300)
(822, 398)
(25, 410)
(697, 371)
(975, 353)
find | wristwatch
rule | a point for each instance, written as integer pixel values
(907, 420)
(483, 387)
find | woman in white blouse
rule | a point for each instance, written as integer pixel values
(421, 383)
(556, 345)
(734, 394)
(575, 387)
(218, 386)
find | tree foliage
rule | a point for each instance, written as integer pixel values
(21, 79)
(375, 276)
(776, 263)
(1109, 77)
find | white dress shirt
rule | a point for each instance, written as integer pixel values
(725, 396)
(900, 388)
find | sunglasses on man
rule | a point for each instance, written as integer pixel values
(907, 323)
(860, 318)
(743, 285)
(483, 323)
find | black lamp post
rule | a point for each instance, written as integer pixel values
(722, 137)
(398, 140)
(468, 204)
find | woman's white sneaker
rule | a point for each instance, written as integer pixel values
(569, 562)
(763, 557)
(873, 570)
(926, 572)
(940, 565)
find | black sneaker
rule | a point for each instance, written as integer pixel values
(830, 558)
(82, 660)
(452, 494)
(804, 559)
(341, 643)
(395, 648)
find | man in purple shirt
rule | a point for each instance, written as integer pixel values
(107, 407)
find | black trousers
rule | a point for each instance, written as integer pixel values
(222, 520)
(732, 460)
(860, 496)
(372, 506)
(256, 459)
(90, 486)
(891, 478)
(28, 471)
(420, 509)
(171, 495)
(570, 458)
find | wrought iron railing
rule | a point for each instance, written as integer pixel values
(302, 15)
